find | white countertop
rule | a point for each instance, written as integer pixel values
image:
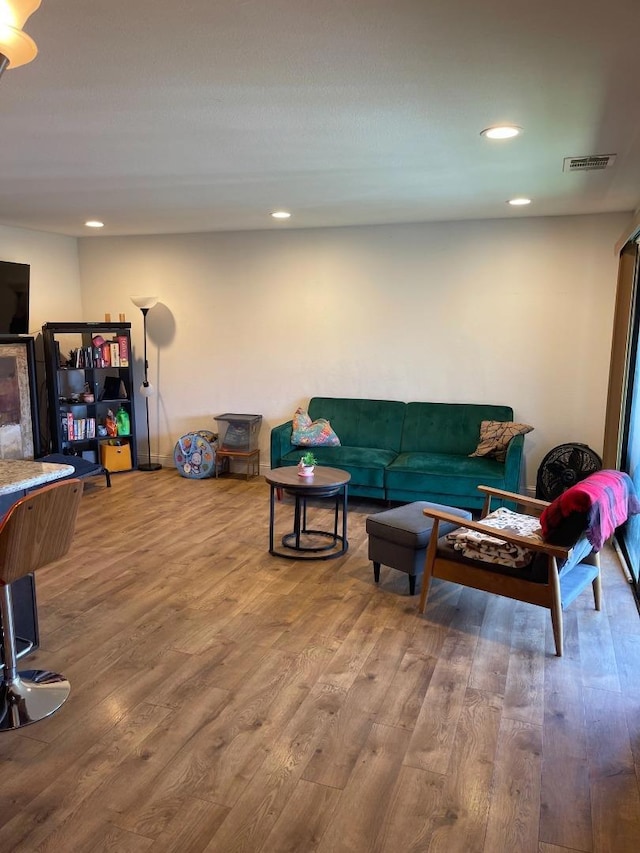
(19, 474)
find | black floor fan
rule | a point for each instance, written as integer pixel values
(564, 466)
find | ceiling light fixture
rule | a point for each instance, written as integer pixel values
(519, 202)
(16, 47)
(94, 223)
(503, 131)
(281, 214)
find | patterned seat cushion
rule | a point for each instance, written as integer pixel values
(489, 549)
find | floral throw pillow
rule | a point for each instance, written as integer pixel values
(495, 437)
(308, 433)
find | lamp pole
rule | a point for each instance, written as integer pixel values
(144, 303)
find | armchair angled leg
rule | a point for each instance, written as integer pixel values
(596, 584)
(428, 565)
(556, 606)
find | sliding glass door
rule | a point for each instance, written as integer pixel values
(629, 535)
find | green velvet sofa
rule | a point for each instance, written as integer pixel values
(404, 452)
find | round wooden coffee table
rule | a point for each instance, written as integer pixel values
(303, 542)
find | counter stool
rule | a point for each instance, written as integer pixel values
(36, 531)
(399, 537)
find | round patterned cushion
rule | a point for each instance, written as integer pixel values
(195, 454)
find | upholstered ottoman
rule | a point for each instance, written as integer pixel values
(399, 537)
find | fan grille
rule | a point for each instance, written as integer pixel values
(563, 467)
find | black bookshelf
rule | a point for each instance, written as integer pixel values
(89, 369)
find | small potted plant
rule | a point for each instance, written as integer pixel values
(306, 464)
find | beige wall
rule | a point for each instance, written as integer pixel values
(54, 275)
(509, 311)
(505, 311)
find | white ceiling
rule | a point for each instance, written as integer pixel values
(166, 116)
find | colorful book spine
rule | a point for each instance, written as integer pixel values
(123, 350)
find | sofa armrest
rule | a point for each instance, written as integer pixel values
(513, 464)
(281, 443)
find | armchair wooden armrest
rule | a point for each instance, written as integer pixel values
(534, 504)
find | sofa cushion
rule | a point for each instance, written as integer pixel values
(447, 427)
(442, 473)
(495, 437)
(308, 433)
(362, 423)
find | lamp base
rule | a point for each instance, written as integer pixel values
(149, 466)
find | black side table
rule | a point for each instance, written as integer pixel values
(324, 483)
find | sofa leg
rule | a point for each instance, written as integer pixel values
(376, 572)
(412, 584)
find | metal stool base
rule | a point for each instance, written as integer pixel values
(31, 696)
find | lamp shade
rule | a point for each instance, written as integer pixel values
(142, 302)
(15, 45)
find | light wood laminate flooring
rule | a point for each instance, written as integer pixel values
(226, 700)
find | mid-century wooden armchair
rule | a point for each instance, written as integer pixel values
(555, 576)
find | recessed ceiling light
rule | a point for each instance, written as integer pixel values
(519, 202)
(94, 223)
(503, 131)
(281, 214)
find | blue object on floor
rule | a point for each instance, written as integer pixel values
(195, 454)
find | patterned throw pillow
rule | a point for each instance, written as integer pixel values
(495, 437)
(308, 433)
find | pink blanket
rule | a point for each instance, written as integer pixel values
(607, 498)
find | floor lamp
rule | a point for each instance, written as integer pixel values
(145, 303)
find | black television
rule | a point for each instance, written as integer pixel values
(14, 298)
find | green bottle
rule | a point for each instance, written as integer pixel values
(122, 420)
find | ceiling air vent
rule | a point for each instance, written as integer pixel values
(590, 163)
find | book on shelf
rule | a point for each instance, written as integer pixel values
(113, 353)
(123, 350)
(77, 429)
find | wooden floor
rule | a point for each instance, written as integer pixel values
(226, 700)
